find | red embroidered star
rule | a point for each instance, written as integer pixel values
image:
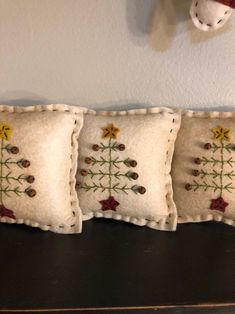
(5, 212)
(109, 204)
(218, 204)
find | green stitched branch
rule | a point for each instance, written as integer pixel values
(116, 188)
(102, 174)
(205, 186)
(112, 146)
(230, 175)
(20, 178)
(7, 190)
(215, 162)
(7, 147)
(125, 188)
(216, 187)
(115, 162)
(222, 166)
(227, 147)
(216, 174)
(228, 187)
(110, 167)
(9, 162)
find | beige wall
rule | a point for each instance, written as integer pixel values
(106, 53)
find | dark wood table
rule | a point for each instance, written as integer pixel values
(114, 267)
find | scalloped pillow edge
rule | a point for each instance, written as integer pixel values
(209, 217)
(168, 223)
(77, 226)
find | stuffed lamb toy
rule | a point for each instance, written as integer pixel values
(211, 14)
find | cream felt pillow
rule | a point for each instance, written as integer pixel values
(38, 163)
(203, 170)
(124, 164)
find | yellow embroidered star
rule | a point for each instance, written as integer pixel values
(220, 133)
(110, 131)
(5, 131)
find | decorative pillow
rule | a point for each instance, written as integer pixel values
(38, 158)
(124, 164)
(203, 170)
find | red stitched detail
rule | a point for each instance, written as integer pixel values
(218, 204)
(109, 204)
(229, 3)
(6, 212)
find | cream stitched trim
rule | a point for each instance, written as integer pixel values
(163, 110)
(169, 222)
(206, 114)
(77, 226)
(208, 217)
(40, 108)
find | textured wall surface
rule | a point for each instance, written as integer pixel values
(107, 53)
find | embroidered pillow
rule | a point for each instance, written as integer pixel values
(38, 158)
(203, 170)
(124, 164)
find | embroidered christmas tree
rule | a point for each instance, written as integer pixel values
(112, 169)
(11, 184)
(219, 179)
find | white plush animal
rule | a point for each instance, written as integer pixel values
(211, 14)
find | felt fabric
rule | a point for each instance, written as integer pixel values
(38, 163)
(203, 170)
(124, 166)
(230, 3)
(209, 14)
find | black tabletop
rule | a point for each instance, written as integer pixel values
(118, 266)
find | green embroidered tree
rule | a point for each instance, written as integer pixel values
(10, 184)
(109, 176)
(220, 179)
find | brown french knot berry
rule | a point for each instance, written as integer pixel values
(134, 175)
(30, 192)
(88, 160)
(83, 172)
(198, 161)
(14, 150)
(141, 190)
(195, 173)
(78, 185)
(121, 147)
(207, 146)
(25, 163)
(133, 163)
(95, 147)
(30, 179)
(188, 187)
